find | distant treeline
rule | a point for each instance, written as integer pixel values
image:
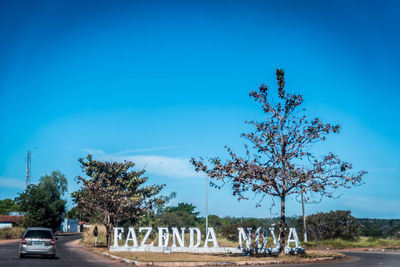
(320, 226)
(380, 227)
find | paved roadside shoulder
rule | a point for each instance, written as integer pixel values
(6, 241)
(86, 257)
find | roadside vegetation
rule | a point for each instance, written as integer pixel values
(11, 233)
(88, 237)
(114, 192)
(335, 237)
(42, 203)
(8, 205)
(361, 242)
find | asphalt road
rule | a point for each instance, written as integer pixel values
(67, 255)
(360, 259)
(70, 255)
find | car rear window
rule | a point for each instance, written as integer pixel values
(39, 234)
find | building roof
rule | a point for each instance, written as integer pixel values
(10, 219)
(16, 213)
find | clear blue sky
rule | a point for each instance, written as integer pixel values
(160, 82)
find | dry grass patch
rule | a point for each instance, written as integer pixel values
(192, 257)
(88, 241)
(11, 233)
(362, 242)
(88, 237)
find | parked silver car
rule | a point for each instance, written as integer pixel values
(38, 241)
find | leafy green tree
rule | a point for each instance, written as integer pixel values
(55, 182)
(186, 208)
(161, 206)
(114, 192)
(76, 213)
(151, 219)
(230, 231)
(333, 224)
(279, 161)
(8, 205)
(182, 215)
(43, 202)
(177, 219)
(380, 227)
(215, 221)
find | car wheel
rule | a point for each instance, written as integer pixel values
(53, 256)
(21, 255)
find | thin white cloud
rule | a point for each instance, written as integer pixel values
(97, 152)
(175, 167)
(166, 166)
(144, 150)
(12, 182)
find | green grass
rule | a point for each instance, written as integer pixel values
(362, 242)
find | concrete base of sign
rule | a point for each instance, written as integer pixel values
(176, 249)
(297, 250)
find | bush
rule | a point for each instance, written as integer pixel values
(335, 224)
(11, 233)
(230, 232)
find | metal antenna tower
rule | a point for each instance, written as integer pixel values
(28, 168)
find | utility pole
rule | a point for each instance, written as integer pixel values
(206, 206)
(304, 215)
(28, 168)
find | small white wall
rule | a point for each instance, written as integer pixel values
(5, 225)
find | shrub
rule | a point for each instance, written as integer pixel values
(335, 224)
(11, 233)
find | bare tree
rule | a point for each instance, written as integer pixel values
(280, 162)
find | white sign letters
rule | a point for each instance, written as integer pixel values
(194, 246)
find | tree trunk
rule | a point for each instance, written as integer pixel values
(109, 233)
(109, 227)
(282, 226)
